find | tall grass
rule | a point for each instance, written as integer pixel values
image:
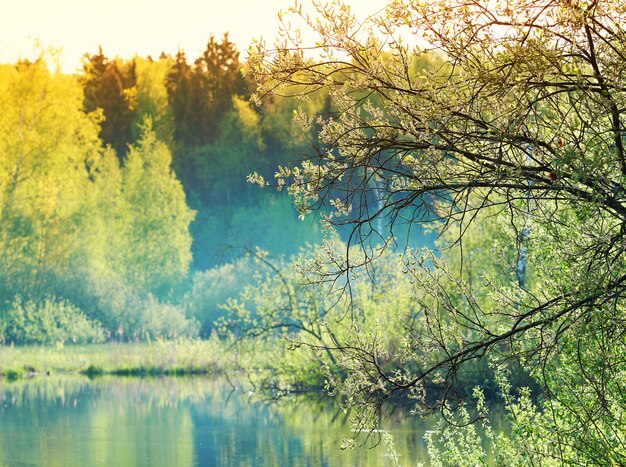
(182, 356)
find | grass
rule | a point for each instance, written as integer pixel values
(266, 364)
(176, 357)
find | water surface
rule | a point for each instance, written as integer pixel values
(74, 421)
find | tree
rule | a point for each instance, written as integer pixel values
(279, 303)
(81, 236)
(200, 95)
(186, 101)
(216, 173)
(158, 244)
(523, 121)
(152, 98)
(47, 145)
(111, 86)
(218, 73)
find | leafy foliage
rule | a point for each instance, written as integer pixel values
(157, 227)
(47, 145)
(73, 220)
(212, 288)
(152, 98)
(47, 322)
(513, 135)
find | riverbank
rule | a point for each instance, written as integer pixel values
(162, 357)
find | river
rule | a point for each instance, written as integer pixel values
(74, 421)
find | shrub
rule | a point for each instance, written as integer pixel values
(128, 314)
(213, 287)
(48, 321)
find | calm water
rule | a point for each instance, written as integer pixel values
(72, 421)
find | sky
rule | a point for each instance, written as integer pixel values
(126, 28)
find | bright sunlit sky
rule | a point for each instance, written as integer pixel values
(139, 27)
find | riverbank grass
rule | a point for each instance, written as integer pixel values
(162, 357)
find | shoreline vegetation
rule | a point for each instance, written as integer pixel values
(264, 367)
(157, 358)
(471, 193)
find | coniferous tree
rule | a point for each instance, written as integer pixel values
(186, 102)
(219, 77)
(200, 95)
(110, 86)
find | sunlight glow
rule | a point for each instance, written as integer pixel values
(138, 27)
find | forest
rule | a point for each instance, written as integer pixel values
(428, 212)
(125, 186)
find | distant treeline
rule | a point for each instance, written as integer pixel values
(124, 200)
(118, 183)
(201, 111)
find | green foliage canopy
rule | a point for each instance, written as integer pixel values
(74, 225)
(518, 123)
(47, 145)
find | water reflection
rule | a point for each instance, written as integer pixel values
(72, 421)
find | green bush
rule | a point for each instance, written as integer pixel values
(213, 287)
(49, 321)
(158, 319)
(129, 315)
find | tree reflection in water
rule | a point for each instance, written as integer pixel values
(74, 421)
